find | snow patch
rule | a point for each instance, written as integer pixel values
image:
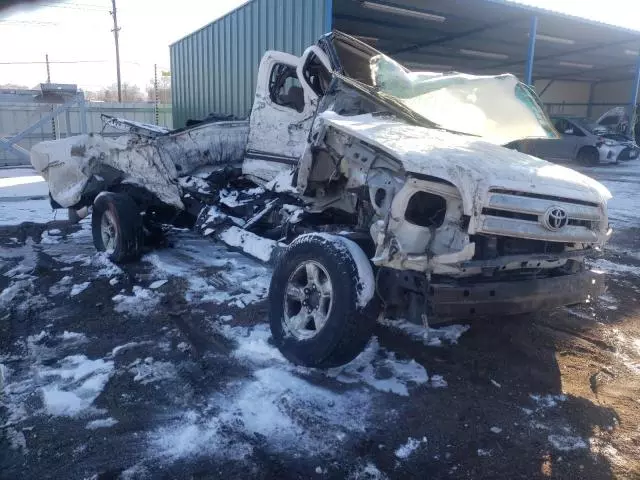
(566, 443)
(547, 401)
(73, 336)
(250, 243)
(61, 286)
(404, 451)
(613, 268)
(76, 383)
(15, 213)
(434, 337)
(276, 405)
(141, 302)
(157, 284)
(101, 423)
(79, 288)
(127, 346)
(253, 344)
(368, 472)
(149, 371)
(380, 369)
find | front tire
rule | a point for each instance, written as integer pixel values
(116, 226)
(589, 156)
(322, 308)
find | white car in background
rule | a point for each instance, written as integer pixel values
(616, 121)
(583, 141)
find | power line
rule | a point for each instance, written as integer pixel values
(76, 6)
(70, 61)
(31, 23)
(61, 61)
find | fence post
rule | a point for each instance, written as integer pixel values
(83, 112)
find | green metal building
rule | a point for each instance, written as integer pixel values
(214, 69)
(577, 66)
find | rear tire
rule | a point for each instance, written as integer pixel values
(116, 226)
(335, 327)
(589, 156)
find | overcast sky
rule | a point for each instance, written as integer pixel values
(80, 30)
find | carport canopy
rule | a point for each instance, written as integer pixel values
(493, 37)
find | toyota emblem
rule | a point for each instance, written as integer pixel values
(555, 218)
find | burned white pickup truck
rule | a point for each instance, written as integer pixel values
(372, 189)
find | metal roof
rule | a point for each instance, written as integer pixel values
(491, 37)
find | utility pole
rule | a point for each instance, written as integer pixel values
(116, 31)
(53, 120)
(155, 88)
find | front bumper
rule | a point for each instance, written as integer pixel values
(513, 297)
(629, 153)
(610, 154)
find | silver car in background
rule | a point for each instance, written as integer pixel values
(581, 140)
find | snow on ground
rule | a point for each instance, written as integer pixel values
(543, 417)
(282, 404)
(141, 301)
(434, 337)
(21, 183)
(379, 369)
(250, 243)
(612, 268)
(79, 288)
(37, 211)
(65, 386)
(367, 472)
(212, 273)
(75, 384)
(626, 349)
(101, 423)
(274, 404)
(566, 443)
(150, 370)
(404, 451)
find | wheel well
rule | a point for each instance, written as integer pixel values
(587, 148)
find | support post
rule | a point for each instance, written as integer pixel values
(156, 112)
(116, 34)
(328, 16)
(53, 120)
(531, 52)
(634, 100)
(592, 89)
(83, 112)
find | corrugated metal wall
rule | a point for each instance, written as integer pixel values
(214, 69)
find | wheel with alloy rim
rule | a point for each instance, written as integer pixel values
(109, 232)
(116, 226)
(307, 300)
(320, 315)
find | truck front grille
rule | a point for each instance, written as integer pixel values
(522, 214)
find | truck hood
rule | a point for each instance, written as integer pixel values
(474, 166)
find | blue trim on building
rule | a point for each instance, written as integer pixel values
(533, 29)
(634, 98)
(328, 15)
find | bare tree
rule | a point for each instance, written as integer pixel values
(164, 89)
(130, 93)
(14, 86)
